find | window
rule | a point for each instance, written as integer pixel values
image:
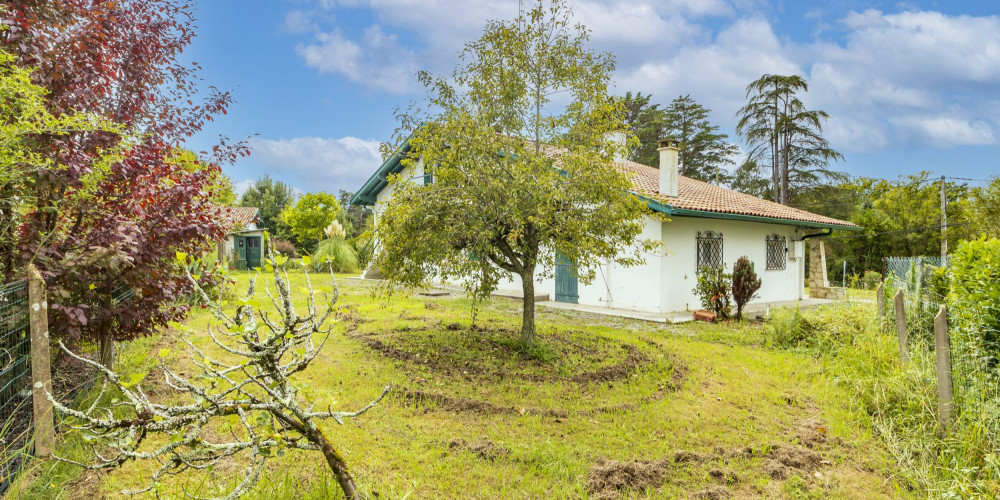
(776, 252)
(709, 249)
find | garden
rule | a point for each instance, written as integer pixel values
(598, 407)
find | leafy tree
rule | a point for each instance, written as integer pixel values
(310, 215)
(986, 208)
(94, 223)
(745, 284)
(516, 183)
(272, 414)
(219, 188)
(646, 121)
(782, 133)
(704, 153)
(271, 197)
(355, 217)
(902, 218)
(25, 116)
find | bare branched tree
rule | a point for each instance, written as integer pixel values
(246, 383)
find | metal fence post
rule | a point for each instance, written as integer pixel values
(943, 350)
(901, 326)
(41, 376)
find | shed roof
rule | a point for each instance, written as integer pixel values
(238, 218)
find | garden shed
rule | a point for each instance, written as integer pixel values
(243, 246)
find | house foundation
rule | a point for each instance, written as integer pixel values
(819, 285)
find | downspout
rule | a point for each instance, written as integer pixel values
(802, 276)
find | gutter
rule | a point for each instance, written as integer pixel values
(817, 235)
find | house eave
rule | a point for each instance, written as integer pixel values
(684, 212)
(369, 191)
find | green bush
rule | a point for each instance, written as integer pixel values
(898, 401)
(338, 253)
(714, 287)
(975, 295)
(745, 284)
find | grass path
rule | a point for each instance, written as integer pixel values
(604, 407)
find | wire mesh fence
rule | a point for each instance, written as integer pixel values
(910, 272)
(15, 380)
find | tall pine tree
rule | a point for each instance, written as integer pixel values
(704, 152)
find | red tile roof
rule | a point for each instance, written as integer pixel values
(701, 196)
(238, 218)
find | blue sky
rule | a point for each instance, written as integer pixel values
(909, 86)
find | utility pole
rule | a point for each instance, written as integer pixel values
(944, 224)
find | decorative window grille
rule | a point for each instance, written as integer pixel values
(776, 250)
(709, 249)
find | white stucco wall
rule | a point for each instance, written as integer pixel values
(739, 238)
(665, 282)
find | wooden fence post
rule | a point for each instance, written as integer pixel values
(880, 300)
(41, 375)
(901, 326)
(943, 350)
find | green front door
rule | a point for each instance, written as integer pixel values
(253, 252)
(566, 281)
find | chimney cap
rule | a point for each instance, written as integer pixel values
(666, 142)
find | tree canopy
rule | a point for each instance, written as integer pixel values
(646, 121)
(900, 218)
(270, 197)
(783, 134)
(516, 181)
(310, 215)
(704, 153)
(108, 209)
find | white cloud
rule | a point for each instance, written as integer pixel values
(320, 164)
(913, 78)
(240, 187)
(945, 132)
(715, 74)
(299, 22)
(886, 79)
(376, 61)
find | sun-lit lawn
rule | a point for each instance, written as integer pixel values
(674, 411)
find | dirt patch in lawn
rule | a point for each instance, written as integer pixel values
(483, 448)
(607, 479)
(611, 478)
(463, 405)
(712, 493)
(495, 354)
(411, 397)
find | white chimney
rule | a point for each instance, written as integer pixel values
(668, 167)
(619, 139)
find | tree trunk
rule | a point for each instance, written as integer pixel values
(337, 465)
(528, 315)
(107, 351)
(784, 173)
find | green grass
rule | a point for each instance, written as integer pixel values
(712, 390)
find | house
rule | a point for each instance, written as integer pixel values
(708, 226)
(243, 245)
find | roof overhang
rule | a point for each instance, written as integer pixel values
(393, 165)
(666, 209)
(379, 180)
